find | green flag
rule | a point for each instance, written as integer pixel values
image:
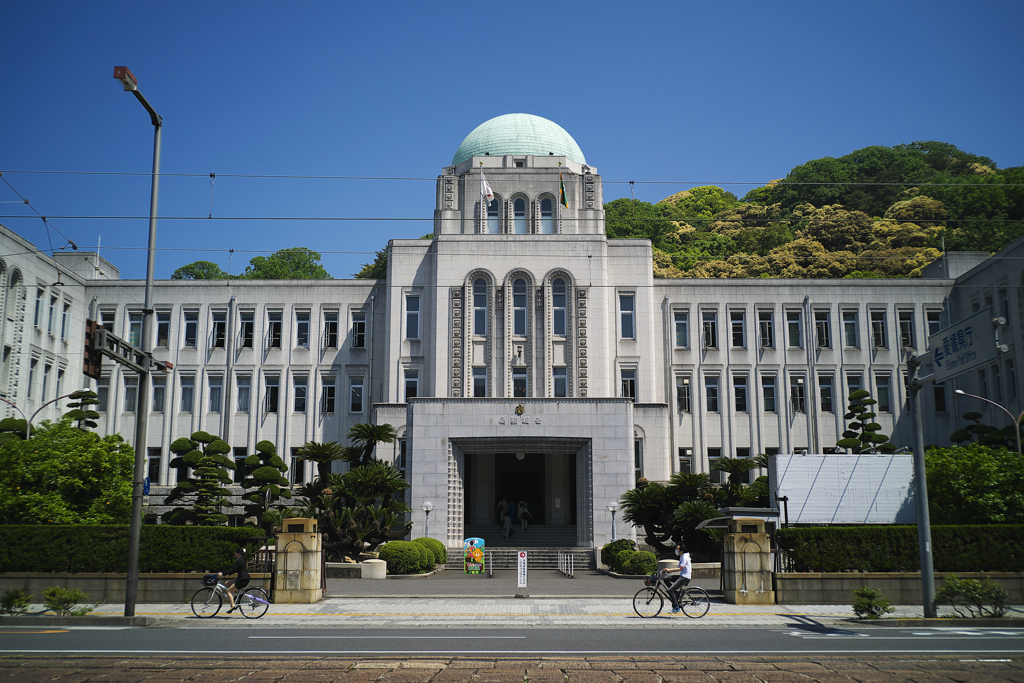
(561, 192)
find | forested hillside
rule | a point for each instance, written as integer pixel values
(876, 212)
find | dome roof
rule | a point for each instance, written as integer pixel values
(519, 134)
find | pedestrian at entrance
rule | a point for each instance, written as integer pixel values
(502, 509)
(506, 526)
(524, 515)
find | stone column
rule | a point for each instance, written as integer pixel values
(297, 577)
(747, 564)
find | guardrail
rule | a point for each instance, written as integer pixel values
(566, 564)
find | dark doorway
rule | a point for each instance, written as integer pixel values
(521, 477)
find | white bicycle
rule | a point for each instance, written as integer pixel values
(251, 601)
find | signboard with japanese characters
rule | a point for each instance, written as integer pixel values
(965, 346)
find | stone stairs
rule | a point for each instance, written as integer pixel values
(543, 544)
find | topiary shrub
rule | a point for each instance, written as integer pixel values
(427, 560)
(436, 547)
(622, 558)
(403, 557)
(609, 551)
(641, 564)
(973, 598)
(870, 603)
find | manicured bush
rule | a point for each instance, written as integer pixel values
(435, 546)
(641, 563)
(895, 548)
(62, 601)
(622, 559)
(970, 597)
(403, 557)
(870, 603)
(427, 560)
(610, 550)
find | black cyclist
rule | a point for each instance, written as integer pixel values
(239, 583)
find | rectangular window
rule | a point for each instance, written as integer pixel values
(739, 392)
(685, 460)
(331, 329)
(768, 393)
(983, 381)
(298, 467)
(638, 459)
(796, 394)
(479, 382)
(560, 381)
(219, 333)
(749, 476)
(825, 393)
(247, 333)
(153, 466)
(626, 317)
(40, 302)
(412, 384)
(709, 329)
(355, 404)
(188, 392)
(302, 330)
(994, 368)
(244, 386)
(717, 476)
(850, 329)
(163, 329)
(102, 394)
(275, 322)
(628, 383)
(683, 398)
(107, 319)
(216, 392)
(159, 393)
(60, 382)
(519, 308)
(558, 308)
(519, 382)
(131, 393)
(327, 397)
(711, 393)
(65, 321)
(934, 321)
(51, 325)
(191, 329)
(240, 454)
(939, 394)
(737, 326)
(682, 323)
(412, 317)
(906, 322)
(479, 308)
(883, 391)
(766, 329)
(47, 369)
(301, 387)
(793, 331)
(853, 383)
(1011, 377)
(272, 398)
(135, 329)
(878, 329)
(32, 368)
(823, 329)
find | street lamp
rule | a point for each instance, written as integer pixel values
(1016, 421)
(427, 507)
(613, 508)
(130, 83)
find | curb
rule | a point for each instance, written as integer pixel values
(90, 619)
(989, 622)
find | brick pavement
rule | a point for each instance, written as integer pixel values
(583, 669)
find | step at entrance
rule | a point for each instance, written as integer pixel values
(536, 558)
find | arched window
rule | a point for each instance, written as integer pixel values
(547, 217)
(558, 307)
(493, 221)
(519, 307)
(519, 215)
(480, 307)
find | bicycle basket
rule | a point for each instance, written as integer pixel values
(210, 580)
(649, 581)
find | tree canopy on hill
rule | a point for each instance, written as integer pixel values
(294, 263)
(876, 212)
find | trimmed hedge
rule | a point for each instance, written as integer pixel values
(104, 549)
(436, 547)
(610, 550)
(404, 557)
(974, 548)
(641, 563)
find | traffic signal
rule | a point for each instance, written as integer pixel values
(93, 359)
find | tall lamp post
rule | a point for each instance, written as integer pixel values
(613, 508)
(130, 83)
(1016, 420)
(427, 507)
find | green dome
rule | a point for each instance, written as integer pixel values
(519, 134)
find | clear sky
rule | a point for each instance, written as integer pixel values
(671, 95)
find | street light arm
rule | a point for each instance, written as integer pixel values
(154, 117)
(1016, 420)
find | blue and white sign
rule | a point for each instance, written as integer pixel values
(145, 486)
(965, 346)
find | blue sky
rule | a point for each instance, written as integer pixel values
(670, 95)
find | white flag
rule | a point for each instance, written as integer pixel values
(485, 188)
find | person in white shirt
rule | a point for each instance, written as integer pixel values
(685, 570)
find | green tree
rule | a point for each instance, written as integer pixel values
(264, 483)
(200, 270)
(631, 218)
(66, 475)
(702, 203)
(295, 263)
(862, 433)
(323, 454)
(364, 509)
(365, 438)
(80, 412)
(376, 269)
(205, 455)
(975, 484)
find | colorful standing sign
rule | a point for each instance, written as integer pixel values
(473, 555)
(965, 346)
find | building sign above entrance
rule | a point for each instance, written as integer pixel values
(514, 419)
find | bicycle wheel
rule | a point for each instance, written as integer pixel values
(206, 603)
(696, 602)
(648, 602)
(253, 603)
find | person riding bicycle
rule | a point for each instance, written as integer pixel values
(239, 568)
(685, 569)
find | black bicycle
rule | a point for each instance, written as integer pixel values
(649, 600)
(251, 601)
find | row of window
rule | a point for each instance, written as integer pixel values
(50, 387)
(519, 222)
(770, 395)
(56, 318)
(273, 336)
(794, 328)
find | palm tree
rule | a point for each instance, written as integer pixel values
(323, 454)
(366, 437)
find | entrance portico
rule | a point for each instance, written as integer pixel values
(568, 457)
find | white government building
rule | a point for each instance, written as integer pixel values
(519, 353)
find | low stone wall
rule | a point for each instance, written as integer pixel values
(899, 588)
(110, 588)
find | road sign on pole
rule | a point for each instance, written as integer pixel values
(965, 346)
(521, 587)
